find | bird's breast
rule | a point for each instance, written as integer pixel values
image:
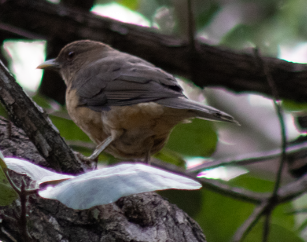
(139, 129)
(136, 129)
(88, 120)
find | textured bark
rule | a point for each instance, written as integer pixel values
(209, 66)
(142, 217)
(36, 123)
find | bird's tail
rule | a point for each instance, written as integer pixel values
(198, 110)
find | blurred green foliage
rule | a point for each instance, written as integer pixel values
(197, 138)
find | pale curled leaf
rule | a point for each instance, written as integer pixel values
(38, 174)
(109, 184)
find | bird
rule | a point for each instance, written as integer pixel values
(126, 105)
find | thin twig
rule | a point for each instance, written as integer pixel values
(283, 147)
(250, 222)
(27, 192)
(23, 194)
(279, 113)
(214, 185)
(266, 226)
(249, 158)
(8, 234)
(23, 215)
(11, 182)
(191, 26)
(286, 193)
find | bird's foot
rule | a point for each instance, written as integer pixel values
(89, 162)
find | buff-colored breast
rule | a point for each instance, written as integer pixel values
(136, 129)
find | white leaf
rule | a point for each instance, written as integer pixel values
(109, 184)
(36, 173)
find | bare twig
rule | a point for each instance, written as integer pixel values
(250, 222)
(250, 158)
(13, 185)
(191, 26)
(8, 235)
(266, 226)
(23, 214)
(216, 186)
(286, 193)
(279, 112)
(23, 194)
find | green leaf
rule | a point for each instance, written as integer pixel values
(7, 193)
(218, 211)
(277, 233)
(221, 216)
(252, 183)
(239, 36)
(2, 163)
(131, 4)
(280, 216)
(41, 101)
(294, 106)
(170, 156)
(194, 139)
(206, 13)
(189, 201)
(3, 112)
(68, 129)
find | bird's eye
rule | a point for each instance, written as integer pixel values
(70, 55)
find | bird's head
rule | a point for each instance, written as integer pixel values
(73, 56)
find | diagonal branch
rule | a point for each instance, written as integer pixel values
(250, 222)
(36, 124)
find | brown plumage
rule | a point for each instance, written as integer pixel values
(126, 105)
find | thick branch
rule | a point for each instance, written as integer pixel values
(36, 124)
(215, 66)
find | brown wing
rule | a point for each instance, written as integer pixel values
(124, 80)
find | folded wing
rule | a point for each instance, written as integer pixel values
(127, 80)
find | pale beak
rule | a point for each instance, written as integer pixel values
(50, 65)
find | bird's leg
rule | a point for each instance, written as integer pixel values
(147, 158)
(92, 160)
(104, 144)
(148, 153)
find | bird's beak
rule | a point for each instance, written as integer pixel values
(50, 65)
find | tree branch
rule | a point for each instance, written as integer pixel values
(36, 124)
(250, 222)
(251, 158)
(216, 66)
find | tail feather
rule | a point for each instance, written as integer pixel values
(199, 110)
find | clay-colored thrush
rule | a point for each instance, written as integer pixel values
(126, 105)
